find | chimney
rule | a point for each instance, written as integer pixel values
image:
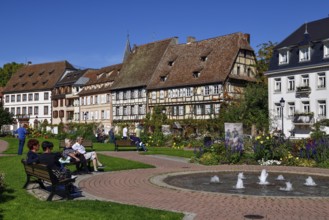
(29, 63)
(247, 37)
(190, 39)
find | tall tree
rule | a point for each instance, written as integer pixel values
(7, 71)
(264, 55)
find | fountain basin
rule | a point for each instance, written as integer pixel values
(200, 181)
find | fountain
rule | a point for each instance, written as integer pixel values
(214, 179)
(255, 184)
(280, 177)
(309, 182)
(241, 176)
(288, 187)
(262, 178)
(239, 184)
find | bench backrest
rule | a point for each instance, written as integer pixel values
(40, 171)
(85, 143)
(123, 142)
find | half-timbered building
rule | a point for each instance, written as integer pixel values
(193, 79)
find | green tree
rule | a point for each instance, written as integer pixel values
(252, 109)
(7, 71)
(5, 117)
(264, 55)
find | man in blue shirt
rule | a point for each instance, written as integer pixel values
(21, 131)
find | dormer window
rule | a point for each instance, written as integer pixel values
(196, 74)
(304, 54)
(326, 50)
(21, 75)
(283, 57)
(31, 74)
(170, 63)
(203, 58)
(163, 78)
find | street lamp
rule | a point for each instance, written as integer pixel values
(282, 101)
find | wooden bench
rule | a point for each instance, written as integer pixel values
(124, 143)
(86, 143)
(41, 173)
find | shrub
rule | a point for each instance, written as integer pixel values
(2, 182)
(209, 159)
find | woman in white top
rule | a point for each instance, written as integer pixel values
(88, 155)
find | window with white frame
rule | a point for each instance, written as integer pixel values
(108, 98)
(283, 57)
(322, 108)
(162, 94)
(7, 98)
(326, 50)
(120, 95)
(36, 96)
(102, 114)
(128, 95)
(306, 106)
(304, 54)
(128, 110)
(140, 109)
(18, 111)
(88, 100)
(18, 98)
(291, 109)
(305, 80)
(46, 96)
(181, 110)
(189, 91)
(30, 97)
(46, 110)
(207, 109)
(277, 85)
(216, 108)
(206, 90)
(216, 89)
(12, 98)
(125, 112)
(277, 109)
(24, 97)
(182, 92)
(125, 95)
(36, 110)
(321, 80)
(12, 110)
(174, 110)
(291, 83)
(198, 109)
(24, 111)
(154, 95)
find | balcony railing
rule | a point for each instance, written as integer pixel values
(303, 91)
(304, 118)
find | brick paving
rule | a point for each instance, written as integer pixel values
(138, 187)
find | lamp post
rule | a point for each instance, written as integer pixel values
(282, 102)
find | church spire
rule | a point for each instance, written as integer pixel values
(127, 49)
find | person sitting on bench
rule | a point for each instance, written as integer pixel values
(52, 161)
(139, 144)
(88, 155)
(32, 155)
(71, 155)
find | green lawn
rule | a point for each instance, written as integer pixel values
(16, 203)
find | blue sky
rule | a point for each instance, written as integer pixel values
(93, 33)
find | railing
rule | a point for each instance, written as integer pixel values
(304, 118)
(303, 91)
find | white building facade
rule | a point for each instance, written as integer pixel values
(298, 74)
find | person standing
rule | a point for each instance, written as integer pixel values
(21, 132)
(138, 131)
(125, 133)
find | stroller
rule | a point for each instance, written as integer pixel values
(139, 144)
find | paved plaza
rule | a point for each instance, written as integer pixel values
(143, 187)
